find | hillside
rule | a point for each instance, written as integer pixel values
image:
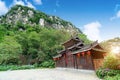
(25, 15)
(29, 36)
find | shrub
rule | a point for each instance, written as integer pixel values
(36, 65)
(15, 67)
(12, 61)
(111, 62)
(102, 73)
(117, 77)
(48, 64)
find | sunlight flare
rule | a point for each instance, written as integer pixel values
(115, 50)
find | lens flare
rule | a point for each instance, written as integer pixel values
(115, 50)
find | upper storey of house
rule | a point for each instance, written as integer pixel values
(73, 42)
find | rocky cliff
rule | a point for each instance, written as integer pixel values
(26, 15)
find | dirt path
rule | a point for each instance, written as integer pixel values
(48, 74)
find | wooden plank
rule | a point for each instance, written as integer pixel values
(97, 63)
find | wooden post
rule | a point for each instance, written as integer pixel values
(65, 60)
(92, 61)
(76, 61)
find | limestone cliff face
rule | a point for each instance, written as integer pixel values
(26, 15)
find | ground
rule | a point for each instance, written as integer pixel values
(48, 74)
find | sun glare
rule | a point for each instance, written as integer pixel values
(115, 50)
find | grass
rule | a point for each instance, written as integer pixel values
(15, 67)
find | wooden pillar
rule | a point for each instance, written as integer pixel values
(93, 68)
(76, 61)
(65, 58)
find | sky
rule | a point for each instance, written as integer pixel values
(98, 19)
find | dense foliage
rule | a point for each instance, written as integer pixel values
(111, 65)
(24, 41)
(108, 74)
(9, 50)
(117, 77)
(111, 62)
(110, 69)
(47, 64)
(33, 45)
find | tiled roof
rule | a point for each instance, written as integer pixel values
(88, 47)
(84, 48)
(73, 38)
(81, 48)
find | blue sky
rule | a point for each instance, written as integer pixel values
(98, 19)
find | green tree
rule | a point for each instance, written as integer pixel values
(9, 51)
(50, 41)
(30, 42)
(84, 38)
(2, 32)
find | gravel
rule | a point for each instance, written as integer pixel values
(48, 74)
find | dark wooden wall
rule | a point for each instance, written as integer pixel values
(90, 62)
(83, 62)
(97, 58)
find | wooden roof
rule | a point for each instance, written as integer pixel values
(81, 48)
(74, 39)
(76, 45)
(89, 47)
(100, 50)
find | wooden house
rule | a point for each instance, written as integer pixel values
(80, 56)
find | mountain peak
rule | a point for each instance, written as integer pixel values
(26, 15)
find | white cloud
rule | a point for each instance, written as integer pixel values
(3, 8)
(18, 2)
(38, 2)
(92, 30)
(116, 16)
(30, 5)
(21, 2)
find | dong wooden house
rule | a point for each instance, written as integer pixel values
(80, 56)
